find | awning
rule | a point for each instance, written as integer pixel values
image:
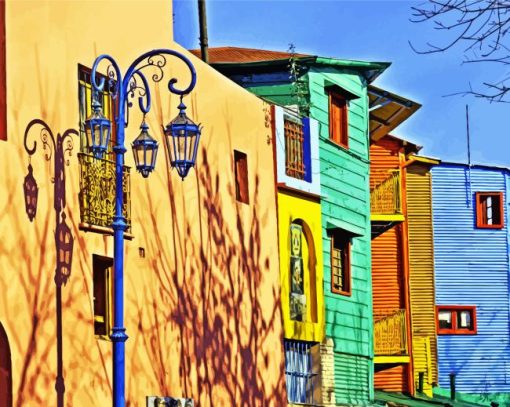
(387, 111)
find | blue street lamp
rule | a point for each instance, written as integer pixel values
(182, 137)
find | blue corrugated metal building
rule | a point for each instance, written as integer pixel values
(471, 259)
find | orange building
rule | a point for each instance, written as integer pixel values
(202, 294)
(389, 156)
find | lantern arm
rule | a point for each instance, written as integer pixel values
(68, 144)
(144, 95)
(113, 73)
(46, 135)
(156, 59)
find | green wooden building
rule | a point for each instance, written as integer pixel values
(335, 93)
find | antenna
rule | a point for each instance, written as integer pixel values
(469, 159)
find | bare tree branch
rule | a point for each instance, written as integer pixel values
(481, 26)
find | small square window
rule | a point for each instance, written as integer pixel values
(338, 124)
(445, 320)
(489, 210)
(340, 262)
(456, 319)
(102, 268)
(241, 176)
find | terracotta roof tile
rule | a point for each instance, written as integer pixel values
(240, 55)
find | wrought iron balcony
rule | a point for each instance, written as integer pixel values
(97, 193)
(385, 201)
(390, 333)
(386, 196)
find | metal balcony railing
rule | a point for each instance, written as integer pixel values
(386, 196)
(390, 333)
(97, 192)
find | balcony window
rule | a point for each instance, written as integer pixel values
(294, 149)
(97, 175)
(456, 320)
(489, 210)
(301, 372)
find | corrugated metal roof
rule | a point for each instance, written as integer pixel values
(237, 54)
(387, 111)
(227, 58)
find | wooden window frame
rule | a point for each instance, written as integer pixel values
(344, 125)
(454, 309)
(241, 177)
(294, 134)
(479, 212)
(345, 238)
(3, 75)
(106, 264)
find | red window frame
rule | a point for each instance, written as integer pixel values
(454, 309)
(241, 176)
(338, 119)
(480, 222)
(3, 76)
(294, 149)
(341, 241)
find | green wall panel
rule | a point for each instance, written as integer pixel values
(345, 187)
(350, 372)
(345, 201)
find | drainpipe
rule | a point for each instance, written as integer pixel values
(202, 18)
(452, 386)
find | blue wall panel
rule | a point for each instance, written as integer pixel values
(471, 268)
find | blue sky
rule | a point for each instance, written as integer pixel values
(377, 31)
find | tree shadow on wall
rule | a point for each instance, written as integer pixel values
(209, 290)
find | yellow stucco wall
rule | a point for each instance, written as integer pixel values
(202, 307)
(293, 208)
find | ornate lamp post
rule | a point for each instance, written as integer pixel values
(182, 137)
(56, 148)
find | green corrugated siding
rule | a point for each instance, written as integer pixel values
(350, 371)
(345, 187)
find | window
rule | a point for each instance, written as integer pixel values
(241, 175)
(3, 76)
(456, 320)
(301, 367)
(294, 149)
(97, 176)
(102, 269)
(489, 210)
(340, 262)
(108, 105)
(338, 125)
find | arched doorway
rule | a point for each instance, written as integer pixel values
(5, 370)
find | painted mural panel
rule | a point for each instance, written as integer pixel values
(471, 269)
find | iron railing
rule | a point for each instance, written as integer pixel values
(390, 333)
(386, 196)
(97, 192)
(299, 372)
